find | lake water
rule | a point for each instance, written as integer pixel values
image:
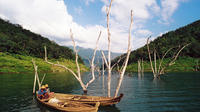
(174, 92)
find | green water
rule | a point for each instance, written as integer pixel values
(174, 92)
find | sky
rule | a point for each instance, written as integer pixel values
(54, 19)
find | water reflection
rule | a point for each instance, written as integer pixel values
(173, 92)
(109, 109)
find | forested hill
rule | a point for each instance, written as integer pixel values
(16, 40)
(184, 35)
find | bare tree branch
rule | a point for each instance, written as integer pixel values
(59, 65)
(43, 78)
(102, 65)
(78, 75)
(36, 73)
(150, 57)
(92, 62)
(155, 66)
(174, 58)
(120, 58)
(160, 65)
(76, 53)
(104, 58)
(127, 57)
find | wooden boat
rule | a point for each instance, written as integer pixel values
(104, 101)
(69, 106)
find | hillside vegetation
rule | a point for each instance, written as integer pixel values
(15, 63)
(18, 46)
(16, 40)
(173, 39)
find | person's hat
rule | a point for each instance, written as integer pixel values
(46, 85)
(43, 87)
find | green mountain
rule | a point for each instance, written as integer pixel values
(16, 40)
(18, 46)
(184, 35)
(87, 53)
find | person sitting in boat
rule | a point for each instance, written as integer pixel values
(44, 94)
(41, 92)
(48, 90)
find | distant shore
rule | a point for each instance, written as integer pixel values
(14, 63)
(182, 64)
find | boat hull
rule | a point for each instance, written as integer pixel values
(104, 101)
(69, 106)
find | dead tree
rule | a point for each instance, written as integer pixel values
(140, 67)
(161, 68)
(77, 74)
(97, 67)
(108, 60)
(109, 48)
(102, 66)
(127, 58)
(37, 77)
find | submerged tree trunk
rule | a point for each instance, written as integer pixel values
(150, 58)
(142, 67)
(139, 68)
(34, 84)
(109, 48)
(36, 77)
(160, 70)
(127, 58)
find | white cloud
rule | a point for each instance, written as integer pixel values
(46, 17)
(168, 8)
(120, 19)
(144, 32)
(141, 8)
(50, 18)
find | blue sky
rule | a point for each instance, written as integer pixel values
(91, 14)
(54, 18)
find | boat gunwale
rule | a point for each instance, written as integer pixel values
(104, 101)
(90, 109)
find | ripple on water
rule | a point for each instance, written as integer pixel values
(141, 94)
